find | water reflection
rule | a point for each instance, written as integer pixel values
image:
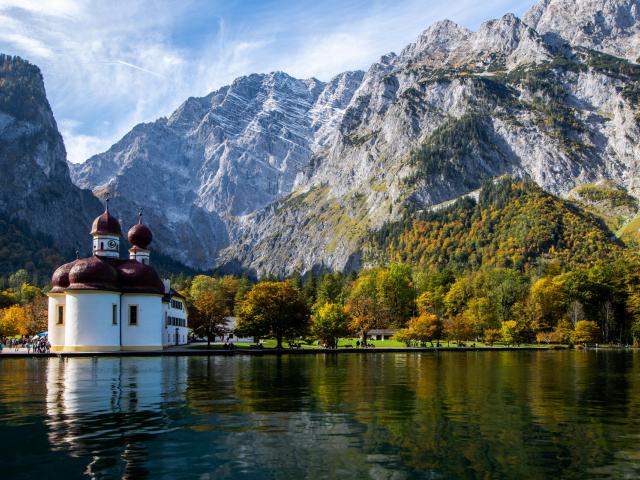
(452, 415)
(108, 411)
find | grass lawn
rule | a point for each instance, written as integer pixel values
(351, 342)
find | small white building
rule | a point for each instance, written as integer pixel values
(104, 303)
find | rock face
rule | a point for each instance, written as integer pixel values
(218, 158)
(610, 26)
(36, 186)
(274, 174)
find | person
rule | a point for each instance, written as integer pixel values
(28, 347)
(1, 346)
(357, 343)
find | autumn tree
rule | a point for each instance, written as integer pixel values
(491, 336)
(548, 300)
(211, 309)
(14, 321)
(425, 328)
(480, 315)
(329, 322)
(10, 318)
(586, 331)
(458, 329)
(275, 309)
(365, 314)
(363, 306)
(35, 316)
(562, 333)
(516, 332)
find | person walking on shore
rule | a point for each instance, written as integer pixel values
(28, 347)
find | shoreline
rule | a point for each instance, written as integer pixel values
(279, 352)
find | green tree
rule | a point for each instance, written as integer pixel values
(505, 288)
(275, 309)
(509, 332)
(17, 279)
(480, 314)
(457, 297)
(330, 289)
(395, 293)
(329, 322)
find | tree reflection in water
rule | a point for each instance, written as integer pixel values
(402, 415)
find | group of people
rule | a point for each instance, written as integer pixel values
(33, 345)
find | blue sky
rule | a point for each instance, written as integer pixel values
(111, 64)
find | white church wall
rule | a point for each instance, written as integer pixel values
(147, 333)
(89, 321)
(56, 331)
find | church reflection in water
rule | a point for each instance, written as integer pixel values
(446, 415)
(108, 410)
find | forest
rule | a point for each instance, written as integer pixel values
(517, 266)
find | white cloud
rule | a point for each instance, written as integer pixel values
(57, 8)
(30, 46)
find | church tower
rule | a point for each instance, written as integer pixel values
(106, 235)
(140, 237)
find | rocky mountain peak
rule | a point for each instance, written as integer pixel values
(611, 26)
(37, 188)
(273, 173)
(441, 38)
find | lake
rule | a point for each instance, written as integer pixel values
(533, 414)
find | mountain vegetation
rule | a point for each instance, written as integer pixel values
(513, 224)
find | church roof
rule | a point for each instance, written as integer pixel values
(93, 273)
(110, 274)
(140, 236)
(106, 224)
(107, 273)
(136, 277)
(60, 279)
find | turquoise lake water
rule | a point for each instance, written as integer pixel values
(559, 414)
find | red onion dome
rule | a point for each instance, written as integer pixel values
(106, 224)
(93, 273)
(60, 278)
(140, 236)
(135, 277)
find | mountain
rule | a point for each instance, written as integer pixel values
(218, 158)
(272, 174)
(38, 199)
(610, 26)
(513, 224)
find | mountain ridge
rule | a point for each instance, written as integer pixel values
(275, 167)
(37, 188)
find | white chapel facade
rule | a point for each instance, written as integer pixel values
(105, 303)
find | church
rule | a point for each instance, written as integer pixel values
(105, 303)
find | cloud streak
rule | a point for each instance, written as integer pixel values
(110, 65)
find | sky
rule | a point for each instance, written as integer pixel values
(111, 64)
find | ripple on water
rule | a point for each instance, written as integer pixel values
(446, 415)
